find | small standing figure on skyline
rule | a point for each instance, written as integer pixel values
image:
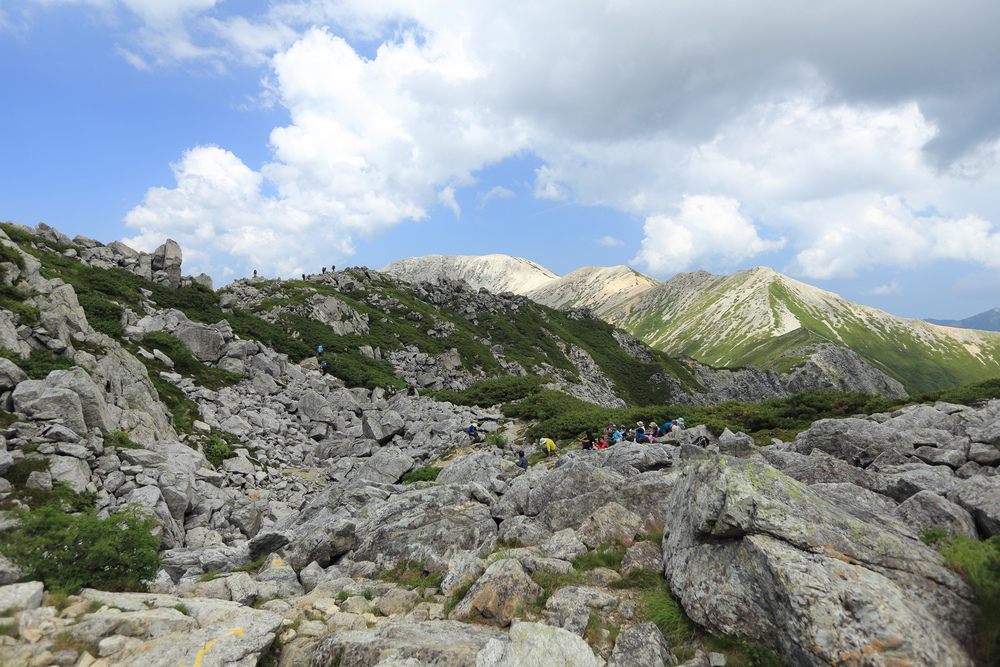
(255, 273)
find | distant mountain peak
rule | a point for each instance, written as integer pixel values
(497, 273)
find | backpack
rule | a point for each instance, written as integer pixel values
(700, 441)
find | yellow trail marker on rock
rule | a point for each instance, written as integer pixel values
(201, 653)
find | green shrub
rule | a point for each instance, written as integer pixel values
(40, 362)
(103, 315)
(186, 364)
(68, 552)
(496, 439)
(60, 496)
(218, 450)
(18, 473)
(8, 254)
(488, 393)
(425, 474)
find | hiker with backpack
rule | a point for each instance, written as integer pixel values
(588, 441)
(475, 436)
(522, 462)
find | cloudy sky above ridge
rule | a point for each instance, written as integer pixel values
(851, 145)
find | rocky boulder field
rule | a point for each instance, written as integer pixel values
(310, 543)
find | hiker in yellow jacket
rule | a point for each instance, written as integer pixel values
(550, 446)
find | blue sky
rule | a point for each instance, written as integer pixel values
(852, 145)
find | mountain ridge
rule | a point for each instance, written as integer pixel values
(722, 320)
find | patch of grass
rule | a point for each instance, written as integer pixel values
(743, 653)
(509, 543)
(551, 582)
(18, 473)
(413, 573)
(428, 473)
(182, 608)
(61, 496)
(183, 410)
(979, 562)
(456, 597)
(121, 440)
(661, 608)
(254, 566)
(58, 599)
(654, 534)
(6, 418)
(643, 579)
(609, 554)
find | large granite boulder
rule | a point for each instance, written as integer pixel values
(539, 645)
(926, 510)
(38, 402)
(846, 439)
(320, 532)
(980, 496)
(92, 403)
(206, 343)
(754, 553)
(497, 596)
(432, 523)
(167, 259)
(211, 632)
(479, 467)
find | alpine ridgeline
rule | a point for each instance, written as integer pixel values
(262, 503)
(760, 318)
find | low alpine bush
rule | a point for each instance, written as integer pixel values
(68, 552)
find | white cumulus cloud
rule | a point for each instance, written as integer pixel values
(706, 227)
(733, 130)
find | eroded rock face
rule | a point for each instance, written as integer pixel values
(752, 552)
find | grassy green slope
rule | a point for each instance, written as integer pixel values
(753, 317)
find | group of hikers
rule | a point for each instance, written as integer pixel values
(615, 433)
(612, 435)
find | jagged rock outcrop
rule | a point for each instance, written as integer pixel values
(753, 553)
